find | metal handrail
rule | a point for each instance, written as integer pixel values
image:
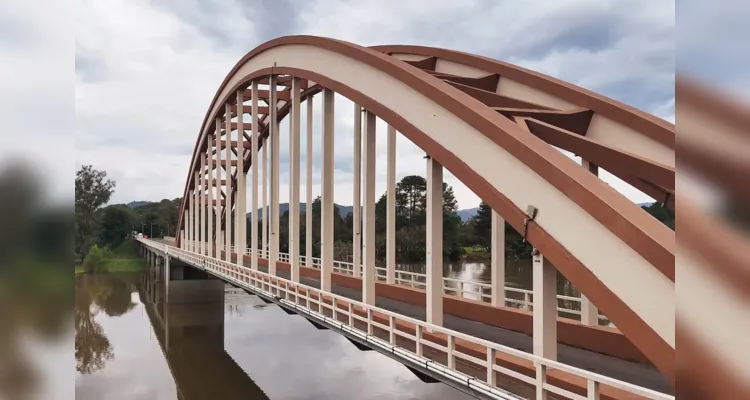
(463, 287)
(274, 286)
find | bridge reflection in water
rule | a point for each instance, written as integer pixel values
(191, 336)
(287, 355)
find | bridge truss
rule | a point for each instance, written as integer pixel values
(497, 128)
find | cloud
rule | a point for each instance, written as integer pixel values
(37, 90)
(710, 47)
(147, 70)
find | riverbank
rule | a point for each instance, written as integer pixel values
(475, 254)
(125, 259)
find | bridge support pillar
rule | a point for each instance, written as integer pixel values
(545, 307)
(186, 284)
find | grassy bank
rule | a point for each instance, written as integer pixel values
(125, 259)
(475, 254)
(125, 264)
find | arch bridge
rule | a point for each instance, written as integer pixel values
(498, 129)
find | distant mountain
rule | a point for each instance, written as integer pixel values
(136, 204)
(284, 207)
(467, 213)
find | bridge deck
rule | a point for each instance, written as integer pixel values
(632, 372)
(627, 371)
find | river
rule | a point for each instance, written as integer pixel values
(518, 274)
(130, 345)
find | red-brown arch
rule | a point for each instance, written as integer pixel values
(654, 127)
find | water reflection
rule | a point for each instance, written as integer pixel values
(130, 344)
(107, 293)
(518, 274)
(35, 314)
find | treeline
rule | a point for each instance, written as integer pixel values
(411, 213)
(478, 230)
(109, 226)
(411, 207)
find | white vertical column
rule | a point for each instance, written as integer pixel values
(240, 211)
(202, 205)
(497, 267)
(210, 195)
(196, 191)
(589, 312)
(368, 236)
(545, 307)
(228, 169)
(390, 214)
(254, 174)
(264, 196)
(326, 198)
(294, 185)
(182, 239)
(219, 238)
(434, 242)
(357, 193)
(189, 216)
(275, 166)
(308, 185)
(186, 223)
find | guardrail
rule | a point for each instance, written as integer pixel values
(567, 306)
(427, 340)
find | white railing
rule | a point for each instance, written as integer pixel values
(347, 314)
(514, 297)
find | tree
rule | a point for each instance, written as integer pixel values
(452, 248)
(96, 259)
(93, 190)
(115, 223)
(92, 347)
(482, 224)
(482, 228)
(411, 213)
(162, 215)
(660, 212)
(167, 216)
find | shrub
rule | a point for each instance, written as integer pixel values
(96, 259)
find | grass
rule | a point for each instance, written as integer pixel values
(126, 249)
(125, 264)
(126, 259)
(470, 254)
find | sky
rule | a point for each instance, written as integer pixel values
(145, 71)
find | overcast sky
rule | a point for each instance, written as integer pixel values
(146, 71)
